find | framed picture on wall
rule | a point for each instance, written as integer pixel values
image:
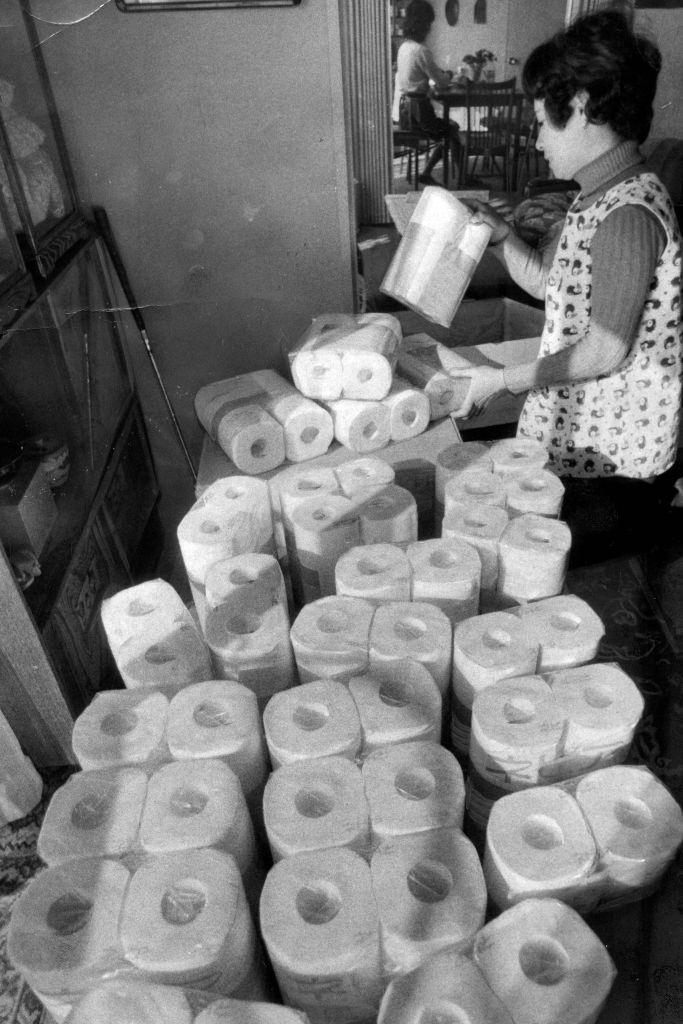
(198, 5)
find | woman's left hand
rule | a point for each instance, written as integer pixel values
(487, 383)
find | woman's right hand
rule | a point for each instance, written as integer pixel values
(485, 214)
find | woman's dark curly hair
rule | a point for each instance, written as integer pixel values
(603, 56)
(418, 20)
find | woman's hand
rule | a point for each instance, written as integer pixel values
(487, 382)
(485, 214)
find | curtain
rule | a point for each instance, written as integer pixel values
(366, 63)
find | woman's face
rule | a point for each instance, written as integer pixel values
(563, 148)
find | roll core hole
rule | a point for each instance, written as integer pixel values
(308, 485)
(442, 559)
(209, 527)
(429, 882)
(410, 630)
(314, 803)
(91, 811)
(241, 577)
(542, 833)
(408, 417)
(364, 375)
(318, 904)
(366, 567)
(137, 608)
(543, 961)
(311, 717)
(414, 783)
(69, 914)
(496, 638)
(538, 536)
(243, 625)
(187, 802)
(118, 723)
(565, 622)
(474, 522)
(518, 711)
(308, 435)
(159, 654)
(258, 448)
(633, 813)
(597, 696)
(331, 623)
(211, 715)
(183, 902)
(370, 431)
(534, 484)
(395, 694)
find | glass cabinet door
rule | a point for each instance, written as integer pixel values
(64, 390)
(16, 286)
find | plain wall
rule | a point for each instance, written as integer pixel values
(215, 142)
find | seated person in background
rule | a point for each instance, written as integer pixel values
(604, 395)
(415, 68)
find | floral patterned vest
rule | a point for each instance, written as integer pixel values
(623, 423)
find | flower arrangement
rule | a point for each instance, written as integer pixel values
(478, 59)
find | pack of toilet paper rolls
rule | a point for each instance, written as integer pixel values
(345, 355)
(553, 633)
(404, 788)
(331, 638)
(143, 728)
(596, 844)
(153, 637)
(131, 1001)
(76, 924)
(259, 419)
(425, 363)
(436, 256)
(453, 460)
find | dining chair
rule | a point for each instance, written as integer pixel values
(492, 132)
(413, 145)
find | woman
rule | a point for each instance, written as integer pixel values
(415, 68)
(604, 395)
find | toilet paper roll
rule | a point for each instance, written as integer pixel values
(331, 638)
(390, 516)
(63, 932)
(566, 628)
(247, 501)
(532, 558)
(252, 439)
(315, 719)
(539, 491)
(253, 579)
(397, 702)
(545, 963)
(185, 921)
(420, 363)
(455, 459)
(195, 804)
(486, 648)
(447, 987)
(289, 490)
(482, 527)
(364, 475)
(94, 814)
(517, 729)
(237, 1011)
(220, 719)
(252, 646)
(374, 572)
(436, 257)
(121, 727)
(317, 804)
(409, 410)
(131, 1001)
(430, 895)
(322, 530)
(360, 426)
(538, 844)
(413, 787)
(603, 707)
(637, 825)
(474, 487)
(152, 636)
(346, 356)
(512, 456)
(413, 630)
(447, 574)
(307, 428)
(320, 926)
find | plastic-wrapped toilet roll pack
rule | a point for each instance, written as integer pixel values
(481, 526)
(447, 987)
(447, 574)
(343, 355)
(409, 410)
(153, 638)
(253, 579)
(544, 963)
(530, 731)
(375, 573)
(396, 703)
(596, 845)
(317, 804)
(533, 553)
(320, 926)
(129, 1001)
(122, 727)
(538, 491)
(322, 530)
(413, 787)
(361, 426)
(331, 638)
(289, 490)
(436, 257)
(390, 516)
(413, 630)
(430, 895)
(486, 648)
(220, 719)
(290, 425)
(512, 456)
(453, 460)
(421, 363)
(315, 719)
(251, 644)
(566, 628)
(474, 487)
(363, 475)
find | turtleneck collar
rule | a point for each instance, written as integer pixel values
(599, 173)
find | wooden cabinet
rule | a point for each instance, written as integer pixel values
(65, 386)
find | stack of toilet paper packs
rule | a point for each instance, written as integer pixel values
(278, 792)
